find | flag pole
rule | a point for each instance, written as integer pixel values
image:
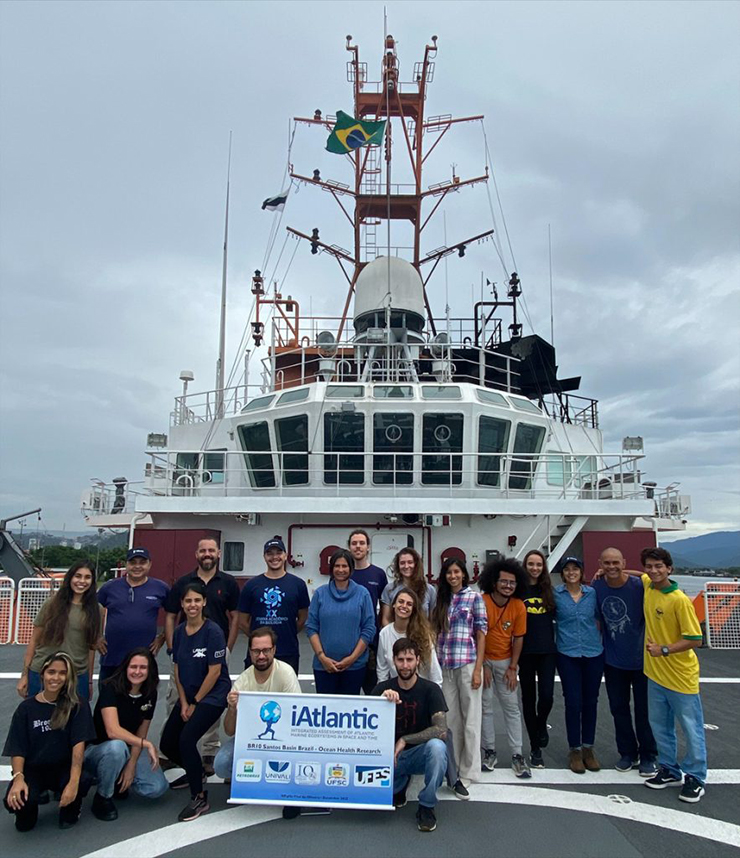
(222, 333)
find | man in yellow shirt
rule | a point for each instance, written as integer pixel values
(672, 633)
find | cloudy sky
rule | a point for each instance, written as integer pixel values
(614, 123)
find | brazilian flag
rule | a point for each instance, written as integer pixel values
(349, 134)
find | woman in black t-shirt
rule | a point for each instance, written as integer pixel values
(539, 655)
(122, 757)
(202, 678)
(46, 745)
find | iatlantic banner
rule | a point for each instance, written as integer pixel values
(312, 749)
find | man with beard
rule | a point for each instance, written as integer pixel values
(421, 728)
(222, 598)
(374, 580)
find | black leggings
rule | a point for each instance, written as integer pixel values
(537, 679)
(179, 741)
(38, 780)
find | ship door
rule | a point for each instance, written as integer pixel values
(384, 546)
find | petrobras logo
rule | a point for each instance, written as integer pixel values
(336, 775)
(248, 771)
(278, 771)
(308, 774)
(372, 776)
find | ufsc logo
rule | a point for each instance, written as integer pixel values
(278, 771)
(248, 771)
(336, 775)
(372, 776)
(308, 774)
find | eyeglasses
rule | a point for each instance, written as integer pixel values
(507, 583)
(266, 651)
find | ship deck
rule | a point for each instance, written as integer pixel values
(605, 814)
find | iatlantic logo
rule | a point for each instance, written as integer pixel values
(270, 714)
(372, 776)
(247, 771)
(278, 771)
(336, 775)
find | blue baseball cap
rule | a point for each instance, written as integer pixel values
(274, 544)
(566, 560)
(133, 553)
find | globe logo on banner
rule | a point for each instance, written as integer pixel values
(270, 714)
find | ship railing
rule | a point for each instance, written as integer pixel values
(572, 409)
(206, 406)
(343, 472)
(115, 498)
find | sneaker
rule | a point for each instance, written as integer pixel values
(575, 761)
(488, 763)
(208, 769)
(166, 764)
(195, 808)
(461, 792)
(692, 790)
(180, 783)
(626, 763)
(535, 759)
(544, 737)
(399, 799)
(425, 818)
(648, 768)
(663, 779)
(103, 808)
(519, 766)
(590, 760)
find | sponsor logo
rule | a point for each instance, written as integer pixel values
(270, 714)
(248, 770)
(308, 774)
(220, 653)
(278, 771)
(199, 652)
(372, 776)
(336, 775)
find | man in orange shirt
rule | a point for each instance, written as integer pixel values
(502, 582)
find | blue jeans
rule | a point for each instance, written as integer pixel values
(105, 762)
(581, 679)
(83, 684)
(430, 760)
(224, 762)
(665, 707)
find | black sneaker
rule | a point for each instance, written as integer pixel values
(103, 808)
(195, 808)
(488, 761)
(399, 798)
(663, 779)
(626, 763)
(535, 759)
(180, 783)
(692, 790)
(461, 792)
(544, 737)
(425, 819)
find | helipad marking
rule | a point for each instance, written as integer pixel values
(159, 842)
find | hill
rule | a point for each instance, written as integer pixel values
(712, 551)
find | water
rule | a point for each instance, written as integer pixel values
(692, 585)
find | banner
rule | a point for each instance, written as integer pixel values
(314, 749)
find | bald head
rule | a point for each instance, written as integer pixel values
(611, 561)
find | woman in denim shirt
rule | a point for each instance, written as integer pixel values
(580, 663)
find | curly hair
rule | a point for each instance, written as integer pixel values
(492, 572)
(417, 581)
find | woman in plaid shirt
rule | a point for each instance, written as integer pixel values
(460, 620)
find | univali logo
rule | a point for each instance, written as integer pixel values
(278, 771)
(247, 771)
(308, 774)
(336, 775)
(372, 776)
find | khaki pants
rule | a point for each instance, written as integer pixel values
(210, 741)
(464, 719)
(509, 702)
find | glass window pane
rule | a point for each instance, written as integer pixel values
(441, 391)
(233, 557)
(344, 433)
(493, 438)
(393, 391)
(293, 396)
(213, 468)
(442, 436)
(559, 469)
(489, 397)
(345, 391)
(527, 445)
(525, 405)
(393, 434)
(259, 402)
(255, 439)
(292, 441)
(186, 466)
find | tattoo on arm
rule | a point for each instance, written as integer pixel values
(437, 730)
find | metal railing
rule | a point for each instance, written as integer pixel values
(722, 614)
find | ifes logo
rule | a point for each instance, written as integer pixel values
(270, 714)
(278, 771)
(247, 771)
(336, 775)
(372, 776)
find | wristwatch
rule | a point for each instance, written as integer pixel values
(665, 651)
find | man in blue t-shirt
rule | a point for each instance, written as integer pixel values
(620, 597)
(373, 579)
(276, 599)
(132, 606)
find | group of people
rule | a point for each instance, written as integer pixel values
(441, 654)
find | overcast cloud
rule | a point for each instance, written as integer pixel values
(615, 123)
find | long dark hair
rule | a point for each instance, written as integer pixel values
(59, 606)
(444, 593)
(418, 628)
(119, 680)
(492, 572)
(544, 582)
(67, 700)
(417, 582)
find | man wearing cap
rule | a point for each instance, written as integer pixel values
(277, 600)
(131, 605)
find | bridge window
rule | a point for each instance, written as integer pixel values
(345, 391)
(233, 557)
(441, 391)
(393, 391)
(292, 442)
(255, 439)
(293, 396)
(344, 443)
(493, 442)
(527, 445)
(213, 468)
(559, 469)
(490, 397)
(525, 405)
(442, 435)
(393, 434)
(259, 402)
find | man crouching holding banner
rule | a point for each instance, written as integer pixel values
(304, 750)
(421, 728)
